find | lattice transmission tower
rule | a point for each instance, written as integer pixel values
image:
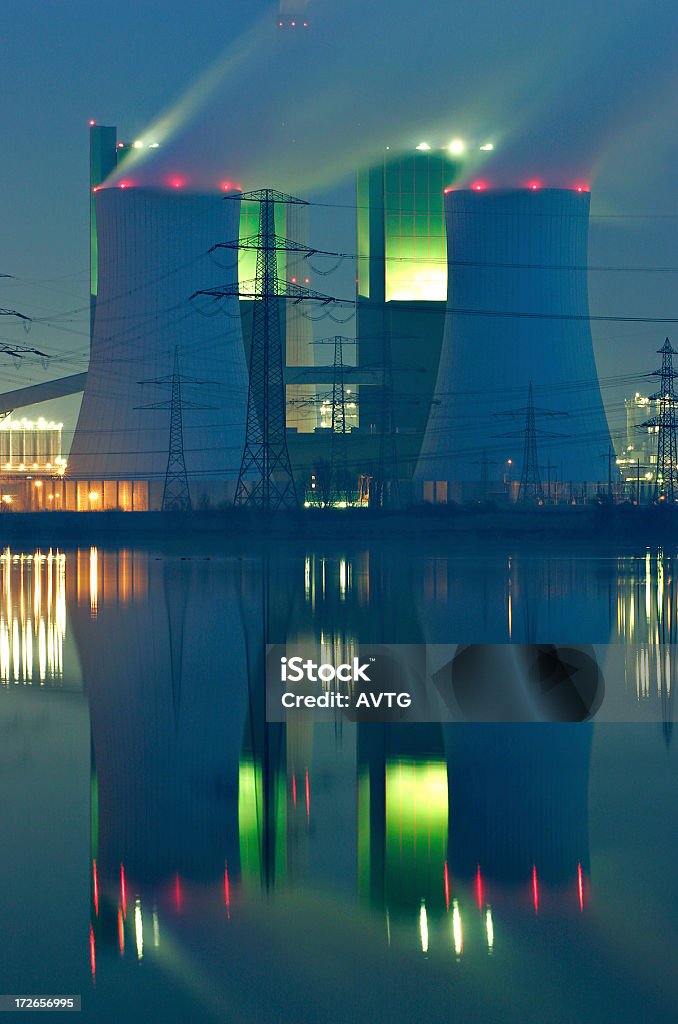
(176, 495)
(530, 487)
(666, 472)
(266, 479)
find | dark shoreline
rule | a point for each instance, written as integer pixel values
(631, 526)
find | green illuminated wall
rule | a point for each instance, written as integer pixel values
(102, 160)
(416, 830)
(249, 225)
(402, 244)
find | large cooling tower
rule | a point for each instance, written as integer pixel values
(153, 247)
(517, 316)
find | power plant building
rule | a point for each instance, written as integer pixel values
(517, 338)
(152, 257)
(401, 289)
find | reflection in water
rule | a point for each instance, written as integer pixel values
(646, 618)
(448, 837)
(32, 617)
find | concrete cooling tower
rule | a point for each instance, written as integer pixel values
(152, 250)
(517, 324)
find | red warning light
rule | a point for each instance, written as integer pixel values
(535, 889)
(280, 24)
(294, 280)
(92, 952)
(534, 185)
(581, 188)
(307, 280)
(305, 24)
(92, 123)
(123, 891)
(580, 886)
(123, 184)
(446, 190)
(479, 889)
(293, 24)
(120, 145)
(226, 185)
(479, 186)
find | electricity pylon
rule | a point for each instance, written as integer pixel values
(176, 495)
(666, 473)
(530, 486)
(338, 465)
(265, 479)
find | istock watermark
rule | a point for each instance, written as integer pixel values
(567, 683)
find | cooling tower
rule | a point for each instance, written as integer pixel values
(153, 248)
(517, 315)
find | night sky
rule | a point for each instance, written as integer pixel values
(584, 93)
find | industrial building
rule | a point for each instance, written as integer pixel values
(401, 287)
(152, 256)
(637, 460)
(472, 369)
(517, 400)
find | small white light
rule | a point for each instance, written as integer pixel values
(456, 147)
(487, 147)
(138, 144)
(423, 145)
(153, 145)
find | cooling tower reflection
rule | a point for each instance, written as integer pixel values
(447, 843)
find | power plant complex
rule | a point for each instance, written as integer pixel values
(471, 375)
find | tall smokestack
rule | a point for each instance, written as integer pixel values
(517, 315)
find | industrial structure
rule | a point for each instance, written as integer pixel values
(517, 317)
(152, 256)
(468, 302)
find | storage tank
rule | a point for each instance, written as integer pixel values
(153, 255)
(517, 316)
